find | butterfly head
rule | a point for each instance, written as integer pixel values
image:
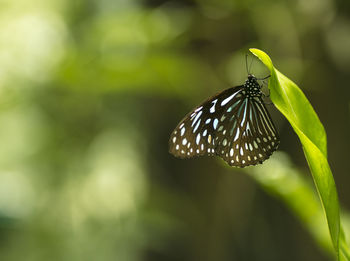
(252, 79)
(252, 86)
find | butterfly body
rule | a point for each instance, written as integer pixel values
(233, 124)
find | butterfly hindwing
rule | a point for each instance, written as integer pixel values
(252, 138)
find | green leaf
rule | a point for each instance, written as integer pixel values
(293, 104)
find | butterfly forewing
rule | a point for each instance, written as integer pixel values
(233, 124)
(195, 135)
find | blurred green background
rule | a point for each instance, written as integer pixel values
(89, 94)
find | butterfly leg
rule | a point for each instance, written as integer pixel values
(264, 83)
(261, 79)
(267, 96)
(263, 94)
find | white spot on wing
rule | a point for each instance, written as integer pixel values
(237, 135)
(196, 118)
(182, 131)
(215, 123)
(198, 109)
(244, 113)
(212, 109)
(250, 147)
(198, 138)
(224, 102)
(205, 132)
(197, 125)
(231, 152)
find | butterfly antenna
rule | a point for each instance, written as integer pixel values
(246, 63)
(250, 66)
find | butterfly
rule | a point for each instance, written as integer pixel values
(233, 124)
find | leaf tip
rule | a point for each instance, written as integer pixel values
(262, 56)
